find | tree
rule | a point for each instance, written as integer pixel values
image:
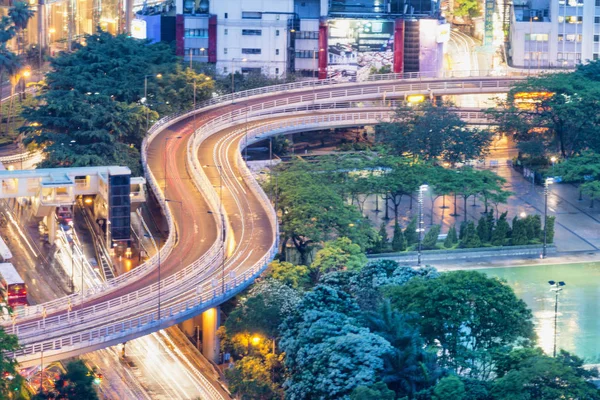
(429, 131)
(398, 241)
(470, 238)
(337, 255)
(451, 238)
(382, 241)
(251, 379)
(483, 229)
(592, 189)
(549, 229)
(378, 390)
(295, 276)
(409, 367)
(11, 382)
(430, 239)
(500, 233)
(410, 233)
(466, 8)
(557, 115)
(327, 353)
(449, 387)
(76, 383)
(519, 232)
(533, 375)
(467, 333)
(20, 14)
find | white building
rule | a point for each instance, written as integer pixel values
(253, 35)
(554, 33)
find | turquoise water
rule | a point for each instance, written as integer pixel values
(578, 304)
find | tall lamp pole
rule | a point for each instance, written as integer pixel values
(146, 95)
(421, 227)
(556, 288)
(233, 73)
(547, 182)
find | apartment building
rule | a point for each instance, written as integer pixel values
(554, 33)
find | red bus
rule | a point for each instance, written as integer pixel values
(12, 285)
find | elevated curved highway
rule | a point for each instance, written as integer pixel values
(223, 232)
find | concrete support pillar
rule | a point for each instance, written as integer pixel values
(210, 341)
(51, 224)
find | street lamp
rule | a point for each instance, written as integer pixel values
(26, 74)
(553, 160)
(547, 182)
(556, 287)
(158, 76)
(167, 138)
(233, 74)
(421, 228)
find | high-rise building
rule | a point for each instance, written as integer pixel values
(554, 33)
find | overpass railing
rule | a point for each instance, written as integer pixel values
(144, 294)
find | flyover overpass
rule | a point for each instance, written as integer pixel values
(223, 229)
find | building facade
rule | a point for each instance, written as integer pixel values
(554, 33)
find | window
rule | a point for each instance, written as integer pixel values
(306, 54)
(597, 20)
(225, 15)
(276, 52)
(307, 35)
(597, 3)
(574, 19)
(595, 56)
(276, 71)
(196, 33)
(225, 50)
(224, 70)
(248, 70)
(251, 15)
(251, 51)
(225, 32)
(561, 19)
(251, 32)
(538, 37)
(561, 38)
(596, 38)
(559, 56)
(277, 32)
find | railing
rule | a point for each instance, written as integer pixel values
(107, 320)
(511, 72)
(19, 157)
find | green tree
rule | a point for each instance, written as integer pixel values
(337, 255)
(430, 239)
(251, 379)
(468, 333)
(11, 381)
(382, 241)
(378, 390)
(429, 131)
(549, 229)
(328, 354)
(592, 189)
(20, 14)
(449, 387)
(483, 229)
(500, 233)
(294, 276)
(559, 120)
(76, 383)
(451, 238)
(470, 238)
(410, 233)
(519, 232)
(398, 241)
(466, 8)
(533, 375)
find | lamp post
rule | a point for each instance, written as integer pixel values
(158, 76)
(223, 230)
(26, 74)
(556, 287)
(420, 228)
(547, 182)
(233, 72)
(553, 160)
(167, 138)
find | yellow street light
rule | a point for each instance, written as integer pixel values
(415, 98)
(159, 76)
(553, 159)
(255, 340)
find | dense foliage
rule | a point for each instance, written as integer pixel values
(381, 330)
(93, 109)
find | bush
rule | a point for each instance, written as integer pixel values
(410, 233)
(470, 239)
(501, 231)
(398, 241)
(549, 230)
(430, 240)
(452, 238)
(519, 232)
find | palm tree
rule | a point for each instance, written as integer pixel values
(9, 64)
(410, 367)
(20, 13)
